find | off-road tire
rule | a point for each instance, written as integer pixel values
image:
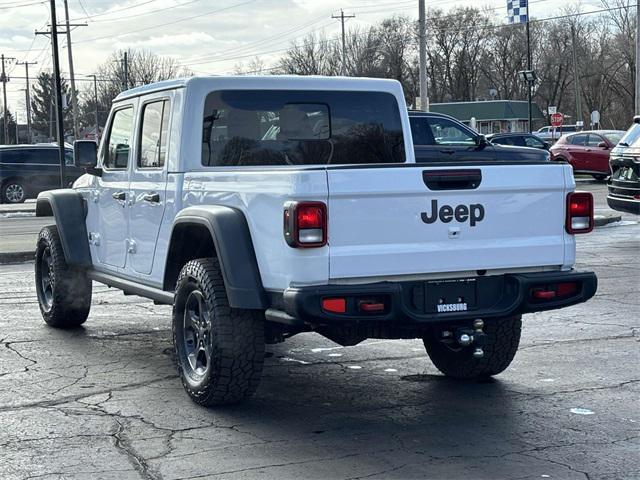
(65, 299)
(10, 190)
(503, 338)
(236, 338)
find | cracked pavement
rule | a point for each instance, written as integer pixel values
(104, 401)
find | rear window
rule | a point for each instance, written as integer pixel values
(577, 140)
(632, 136)
(279, 127)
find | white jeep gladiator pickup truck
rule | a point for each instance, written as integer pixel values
(265, 207)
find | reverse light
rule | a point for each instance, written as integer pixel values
(579, 217)
(305, 224)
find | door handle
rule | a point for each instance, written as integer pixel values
(151, 197)
(120, 196)
(448, 151)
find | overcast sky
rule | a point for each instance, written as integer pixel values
(207, 36)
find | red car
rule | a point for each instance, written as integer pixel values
(588, 151)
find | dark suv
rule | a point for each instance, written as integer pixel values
(624, 163)
(440, 138)
(26, 170)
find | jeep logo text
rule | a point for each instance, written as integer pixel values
(474, 213)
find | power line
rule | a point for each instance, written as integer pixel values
(200, 15)
(145, 13)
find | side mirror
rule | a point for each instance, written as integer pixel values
(482, 141)
(603, 145)
(85, 155)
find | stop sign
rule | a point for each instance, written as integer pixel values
(557, 119)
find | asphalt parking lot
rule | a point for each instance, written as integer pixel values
(104, 401)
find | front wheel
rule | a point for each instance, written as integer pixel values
(64, 292)
(502, 341)
(600, 177)
(219, 349)
(14, 191)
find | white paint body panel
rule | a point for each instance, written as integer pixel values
(375, 230)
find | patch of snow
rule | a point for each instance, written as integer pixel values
(582, 411)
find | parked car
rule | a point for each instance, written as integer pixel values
(588, 151)
(552, 134)
(329, 227)
(519, 139)
(440, 138)
(27, 170)
(624, 162)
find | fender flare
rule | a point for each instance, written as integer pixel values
(69, 209)
(232, 241)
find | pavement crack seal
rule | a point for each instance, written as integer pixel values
(122, 443)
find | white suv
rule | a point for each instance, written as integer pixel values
(265, 207)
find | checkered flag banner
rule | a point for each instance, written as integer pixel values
(518, 11)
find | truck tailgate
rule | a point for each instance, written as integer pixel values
(382, 220)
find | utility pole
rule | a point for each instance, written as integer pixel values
(5, 117)
(422, 33)
(342, 18)
(529, 84)
(95, 100)
(576, 77)
(58, 84)
(637, 57)
(74, 100)
(28, 97)
(50, 33)
(125, 62)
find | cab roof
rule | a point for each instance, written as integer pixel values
(267, 82)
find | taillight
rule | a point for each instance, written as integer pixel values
(554, 292)
(305, 224)
(579, 213)
(334, 305)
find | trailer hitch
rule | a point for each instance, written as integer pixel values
(466, 337)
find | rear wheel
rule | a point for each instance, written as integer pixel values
(64, 292)
(219, 349)
(13, 191)
(503, 338)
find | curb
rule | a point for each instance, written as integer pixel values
(16, 257)
(602, 220)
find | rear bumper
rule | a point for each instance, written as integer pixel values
(415, 303)
(623, 204)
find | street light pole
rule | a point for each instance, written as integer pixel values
(422, 33)
(576, 78)
(529, 84)
(637, 57)
(95, 100)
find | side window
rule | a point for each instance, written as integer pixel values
(594, 140)
(68, 158)
(420, 131)
(446, 132)
(154, 134)
(46, 156)
(533, 142)
(580, 140)
(119, 142)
